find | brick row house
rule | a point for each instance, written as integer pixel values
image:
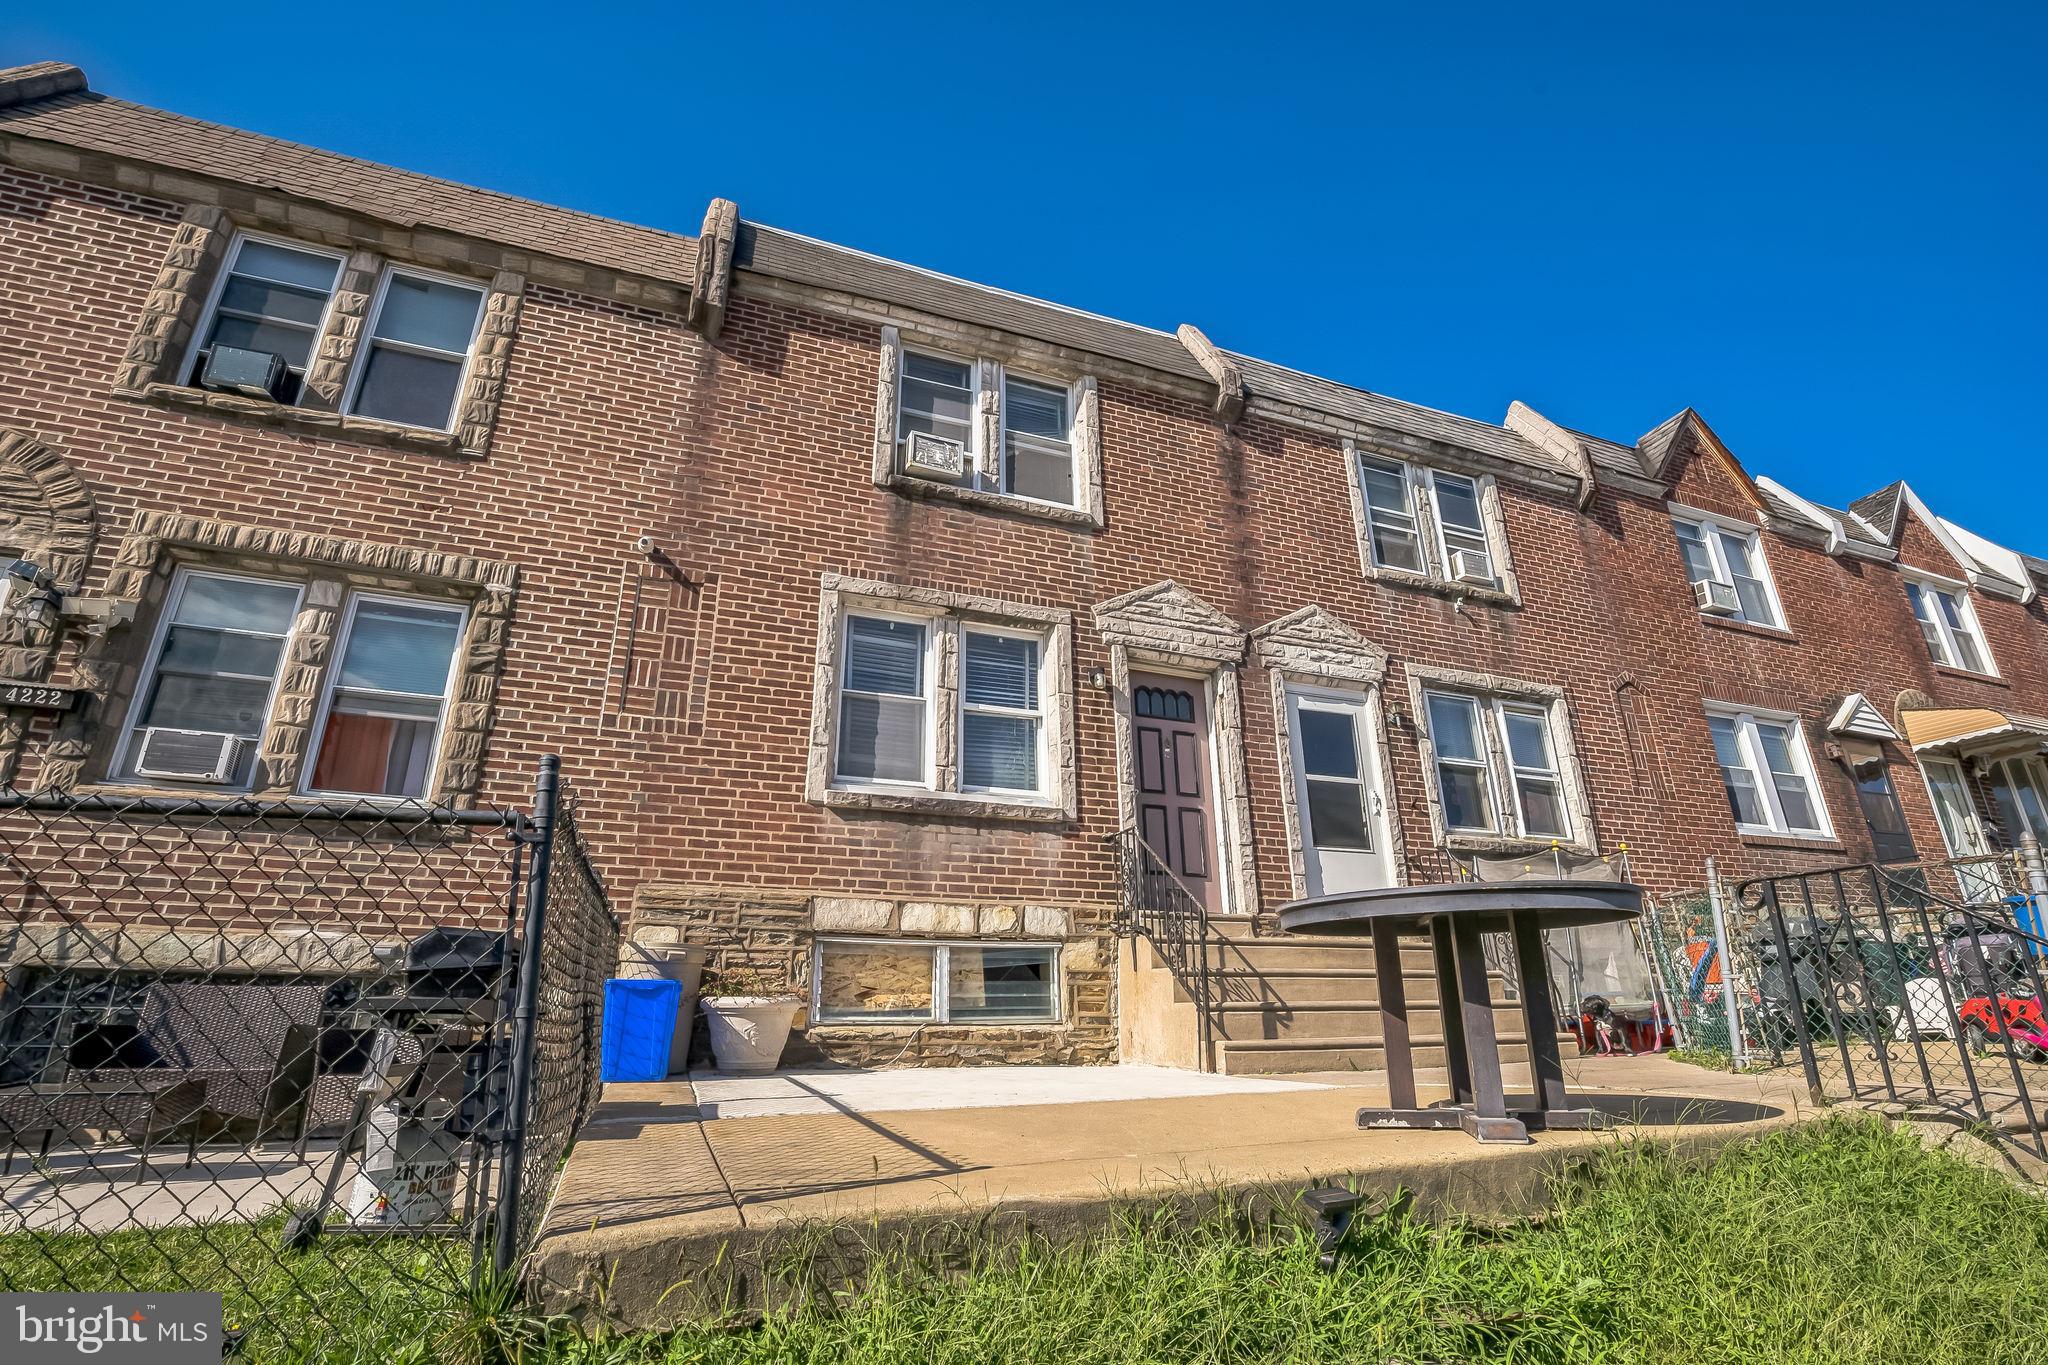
(875, 612)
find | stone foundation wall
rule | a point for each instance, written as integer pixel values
(759, 940)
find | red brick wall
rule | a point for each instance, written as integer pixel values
(749, 462)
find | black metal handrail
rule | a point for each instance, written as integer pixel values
(1847, 953)
(1160, 906)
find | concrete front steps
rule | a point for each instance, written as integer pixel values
(1288, 1004)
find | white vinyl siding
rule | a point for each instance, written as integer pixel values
(1948, 622)
(1767, 774)
(1732, 555)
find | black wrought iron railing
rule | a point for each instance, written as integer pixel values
(1890, 985)
(1157, 906)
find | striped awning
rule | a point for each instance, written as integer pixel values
(1968, 729)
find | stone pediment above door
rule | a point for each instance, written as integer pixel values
(1314, 643)
(1168, 619)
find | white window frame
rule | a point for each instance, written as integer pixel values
(965, 628)
(1750, 743)
(1406, 472)
(146, 679)
(942, 978)
(975, 387)
(220, 285)
(370, 341)
(1497, 766)
(1432, 547)
(1930, 584)
(928, 678)
(1711, 527)
(1003, 374)
(2018, 770)
(1429, 479)
(330, 683)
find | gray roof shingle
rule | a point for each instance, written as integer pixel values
(117, 128)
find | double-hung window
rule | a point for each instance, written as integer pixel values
(902, 981)
(212, 675)
(384, 703)
(421, 333)
(941, 397)
(1393, 537)
(1725, 563)
(1038, 446)
(1948, 622)
(928, 702)
(271, 298)
(1497, 767)
(936, 399)
(1767, 773)
(1430, 523)
(884, 702)
(1000, 717)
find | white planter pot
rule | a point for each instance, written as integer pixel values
(748, 1031)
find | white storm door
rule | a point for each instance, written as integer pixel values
(1340, 815)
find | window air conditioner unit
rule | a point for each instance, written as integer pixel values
(1716, 598)
(934, 457)
(187, 755)
(1469, 566)
(253, 374)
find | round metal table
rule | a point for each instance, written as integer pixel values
(1454, 917)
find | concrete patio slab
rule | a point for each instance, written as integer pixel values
(663, 1216)
(842, 1091)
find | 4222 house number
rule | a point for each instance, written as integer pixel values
(38, 695)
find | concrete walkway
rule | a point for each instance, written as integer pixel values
(665, 1214)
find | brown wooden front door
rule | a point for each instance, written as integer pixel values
(1170, 726)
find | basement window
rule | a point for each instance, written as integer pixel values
(866, 981)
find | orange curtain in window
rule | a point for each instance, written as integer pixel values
(354, 753)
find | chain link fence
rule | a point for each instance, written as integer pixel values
(321, 1058)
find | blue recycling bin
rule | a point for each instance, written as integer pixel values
(2026, 913)
(639, 1022)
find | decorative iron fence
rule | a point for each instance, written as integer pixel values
(1887, 983)
(321, 1058)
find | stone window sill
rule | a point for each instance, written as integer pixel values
(932, 1031)
(1970, 675)
(309, 421)
(994, 502)
(1396, 578)
(1748, 628)
(270, 797)
(957, 805)
(1801, 842)
(1498, 845)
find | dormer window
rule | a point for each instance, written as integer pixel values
(1948, 622)
(1725, 562)
(272, 300)
(1432, 527)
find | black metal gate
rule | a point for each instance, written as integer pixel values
(323, 1058)
(1889, 985)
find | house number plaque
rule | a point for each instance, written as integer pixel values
(41, 696)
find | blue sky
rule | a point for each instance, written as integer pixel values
(1822, 229)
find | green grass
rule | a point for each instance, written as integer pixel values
(1841, 1241)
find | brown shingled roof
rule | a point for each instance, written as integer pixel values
(117, 128)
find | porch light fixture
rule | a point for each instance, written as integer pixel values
(32, 598)
(1097, 679)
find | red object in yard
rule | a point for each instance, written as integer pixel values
(2021, 1015)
